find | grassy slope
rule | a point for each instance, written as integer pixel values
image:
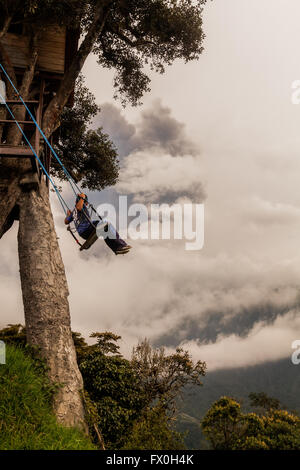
(26, 418)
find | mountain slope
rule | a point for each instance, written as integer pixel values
(278, 379)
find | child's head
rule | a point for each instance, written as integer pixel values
(82, 196)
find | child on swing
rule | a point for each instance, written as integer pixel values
(85, 227)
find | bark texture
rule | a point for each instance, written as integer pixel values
(45, 297)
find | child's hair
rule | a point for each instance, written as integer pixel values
(81, 199)
(81, 196)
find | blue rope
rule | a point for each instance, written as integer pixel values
(69, 177)
(61, 200)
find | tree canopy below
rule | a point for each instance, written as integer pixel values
(227, 428)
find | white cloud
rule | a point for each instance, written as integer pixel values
(236, 105)
(151, 174)
(263, 343)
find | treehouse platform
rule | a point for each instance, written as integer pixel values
(56, 48)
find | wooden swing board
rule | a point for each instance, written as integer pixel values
(89, 242)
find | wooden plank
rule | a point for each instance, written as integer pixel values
(8, 121)
(19, 102)
(51, 50)
(90, 241)
(17, 48)
(13, 146)
(16, 151)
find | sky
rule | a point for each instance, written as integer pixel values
(220, 131)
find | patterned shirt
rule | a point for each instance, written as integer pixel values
(81, 220)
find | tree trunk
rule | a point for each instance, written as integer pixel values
(9, 194)
(45, 297)
(44, 286)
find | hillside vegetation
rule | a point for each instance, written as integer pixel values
(280, 379)
(27, 421)
(135, 404)
(129, 404)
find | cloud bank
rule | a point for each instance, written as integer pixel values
(235, 303)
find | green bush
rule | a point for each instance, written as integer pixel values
(113, 387)
(154, 431)
(227, 428)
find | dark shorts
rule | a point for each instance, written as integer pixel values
(113, 243)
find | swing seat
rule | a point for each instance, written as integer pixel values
(98, 232)
(90, 241)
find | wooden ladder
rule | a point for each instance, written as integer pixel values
(24, 151)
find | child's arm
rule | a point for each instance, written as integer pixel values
(69, 217)
(80, 203)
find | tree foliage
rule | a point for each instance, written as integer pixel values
(154, 33)
(43, 12)
(136, 33)
(154, 430)
(131, 37)
(227, 428)
(130, 404)
(89, 155)
(263, 401)
(136, 398)
(164, 376)
(13, 334)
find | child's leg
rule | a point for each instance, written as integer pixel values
(113, 239)
(87, 233)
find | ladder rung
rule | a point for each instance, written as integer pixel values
(8, 121)
(19, 102)
(15, 151)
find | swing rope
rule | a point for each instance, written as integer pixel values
(60, 198)
(70, 179)
(71, 232)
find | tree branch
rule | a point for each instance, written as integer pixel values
(139, 38)
(5, 26)
(29, 74)
(55, 107)
(6, 62)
